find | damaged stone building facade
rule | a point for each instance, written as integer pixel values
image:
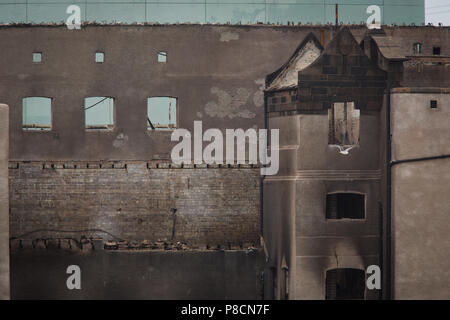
(103, 194)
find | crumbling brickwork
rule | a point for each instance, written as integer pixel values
(136, 201)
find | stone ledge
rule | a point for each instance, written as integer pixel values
(99, 244)
(72, 165)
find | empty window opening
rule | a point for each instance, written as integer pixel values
(37, 57)
(162, 56)
(37, 113)
(433, 104)
(99, 57)
(161, 113)
(99, 113)
(345, 206)
(417, 48)
(436, 51)
(343, 124)
(345, 284)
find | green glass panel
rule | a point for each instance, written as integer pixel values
(37, 111)
(99, 111)
(162, 111)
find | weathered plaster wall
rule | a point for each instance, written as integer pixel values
(4, 202)
(428, 36)
(217, 79)
(216, 72)
(298, 230)
(294, 216)
(420, 206)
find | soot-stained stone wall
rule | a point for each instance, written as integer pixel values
(133, 201)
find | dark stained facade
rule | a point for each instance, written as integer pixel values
(114, 197)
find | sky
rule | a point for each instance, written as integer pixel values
(437, 11)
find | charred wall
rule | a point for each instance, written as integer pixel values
(302, 239)
(136, 201)
(217, 73)
(41, 274)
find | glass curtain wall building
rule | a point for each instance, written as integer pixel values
(212, 11)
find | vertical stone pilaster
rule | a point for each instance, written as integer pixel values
(4, 203)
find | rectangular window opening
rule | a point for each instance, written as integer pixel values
(345, 206)
(37, 57)
(162, 57)
(436, 51)
(345, 284)
(99, 113)
(344, 123)
(417, 48)
(433, 104)
(99, 57)
(37, 114)
(161, 113)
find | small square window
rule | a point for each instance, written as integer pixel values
(37, 57)
(162, 57)
(99, 57)
(436, 51)
(433, 104)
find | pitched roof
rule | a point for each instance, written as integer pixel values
(287, 76)
(389, 47)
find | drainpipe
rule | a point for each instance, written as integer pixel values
(380, 241)
(443, 156)
(388, 275)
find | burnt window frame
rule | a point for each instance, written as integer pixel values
(364, 195)
(358, 269)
